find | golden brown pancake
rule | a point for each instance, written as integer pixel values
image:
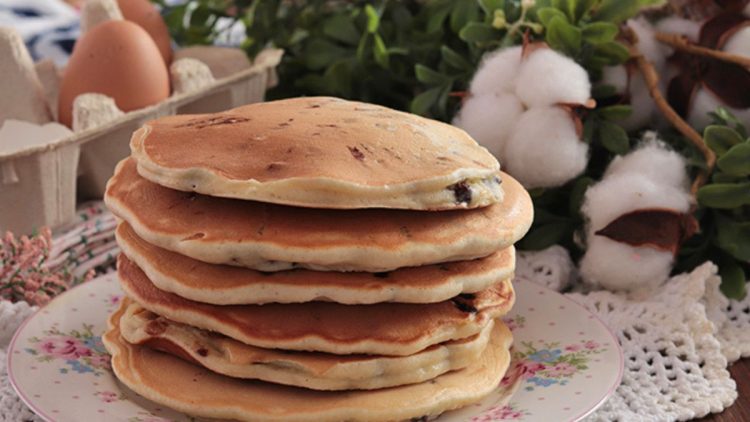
(195, 390)
(319, 152)
(271, 237)
(397, 329)
(228, 285)
(319, 371)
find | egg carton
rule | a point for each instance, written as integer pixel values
(39, 183)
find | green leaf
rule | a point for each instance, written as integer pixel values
(428, 76)
(611, 52)
(578, 8)
(373, 19)
(454, 59)
(721, 138)
(437, 13)
(736, 161)
(478, 32)
(724, 195)
(563, 36)
(422, 103)
(733, 237)
(603, 91)
(615, 112)
(320, 53)
(577, 193)
(489, 6)
(341, 28)
(380, 52)
(464, 11)
(546, 14)
(588, 130)
(613, 137)
(733, 278)
(599, 32)
(545, 236)
(617, 11)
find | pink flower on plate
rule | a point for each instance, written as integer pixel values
(100, 361)
(562, 369)
(64, 347)
(527, 368)
(573, 348)
(591, 345)
(107, 396)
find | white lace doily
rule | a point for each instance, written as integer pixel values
(677, 342)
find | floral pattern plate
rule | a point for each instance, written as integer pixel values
(565, 362)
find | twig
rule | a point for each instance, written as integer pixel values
(683, 44)
(652, 82)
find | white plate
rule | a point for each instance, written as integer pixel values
(566, 362)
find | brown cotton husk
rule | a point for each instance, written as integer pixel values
(662, 229)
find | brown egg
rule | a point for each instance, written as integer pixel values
(118, 59)
(147, 17)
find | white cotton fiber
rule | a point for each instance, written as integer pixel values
(497, 73)
(618, 266)
(622, 193)
(655, 161)
(615, 76)
(644, 109)
(647, 43)
(544, 149)
(546, 77)
(489, 119)
(704, 102)
(680, 26)
(739, 43)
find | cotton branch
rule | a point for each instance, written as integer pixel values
(652, 82)
(681, 43)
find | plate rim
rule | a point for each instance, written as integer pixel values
(47, 418)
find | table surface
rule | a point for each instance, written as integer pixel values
(740, 410)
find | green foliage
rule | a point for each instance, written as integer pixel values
(410, 55)
(725, 206)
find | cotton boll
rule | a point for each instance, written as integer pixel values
(739, 43)
(615, 76)
(618, 266)
(544, 149)
(705, 102)
(546, 77)
(620, 193)
(680, 26)
(647, 43)
(497, 73)
(654, 161)
(489, 119)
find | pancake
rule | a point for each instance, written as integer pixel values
(318, 371)
(228, 285)
(397, 329)
(270, 237)
(195, 390)
(322, 153)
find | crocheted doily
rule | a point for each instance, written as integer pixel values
(677, 340)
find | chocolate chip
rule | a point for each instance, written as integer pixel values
(202, 351)
(462, 192)
(356, 153)
(383, 274)
(464, 307)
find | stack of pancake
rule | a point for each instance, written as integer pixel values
(312, 259)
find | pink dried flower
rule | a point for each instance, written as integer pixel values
(24, 274)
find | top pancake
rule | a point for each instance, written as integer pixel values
(319, 152)
(270, 237)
